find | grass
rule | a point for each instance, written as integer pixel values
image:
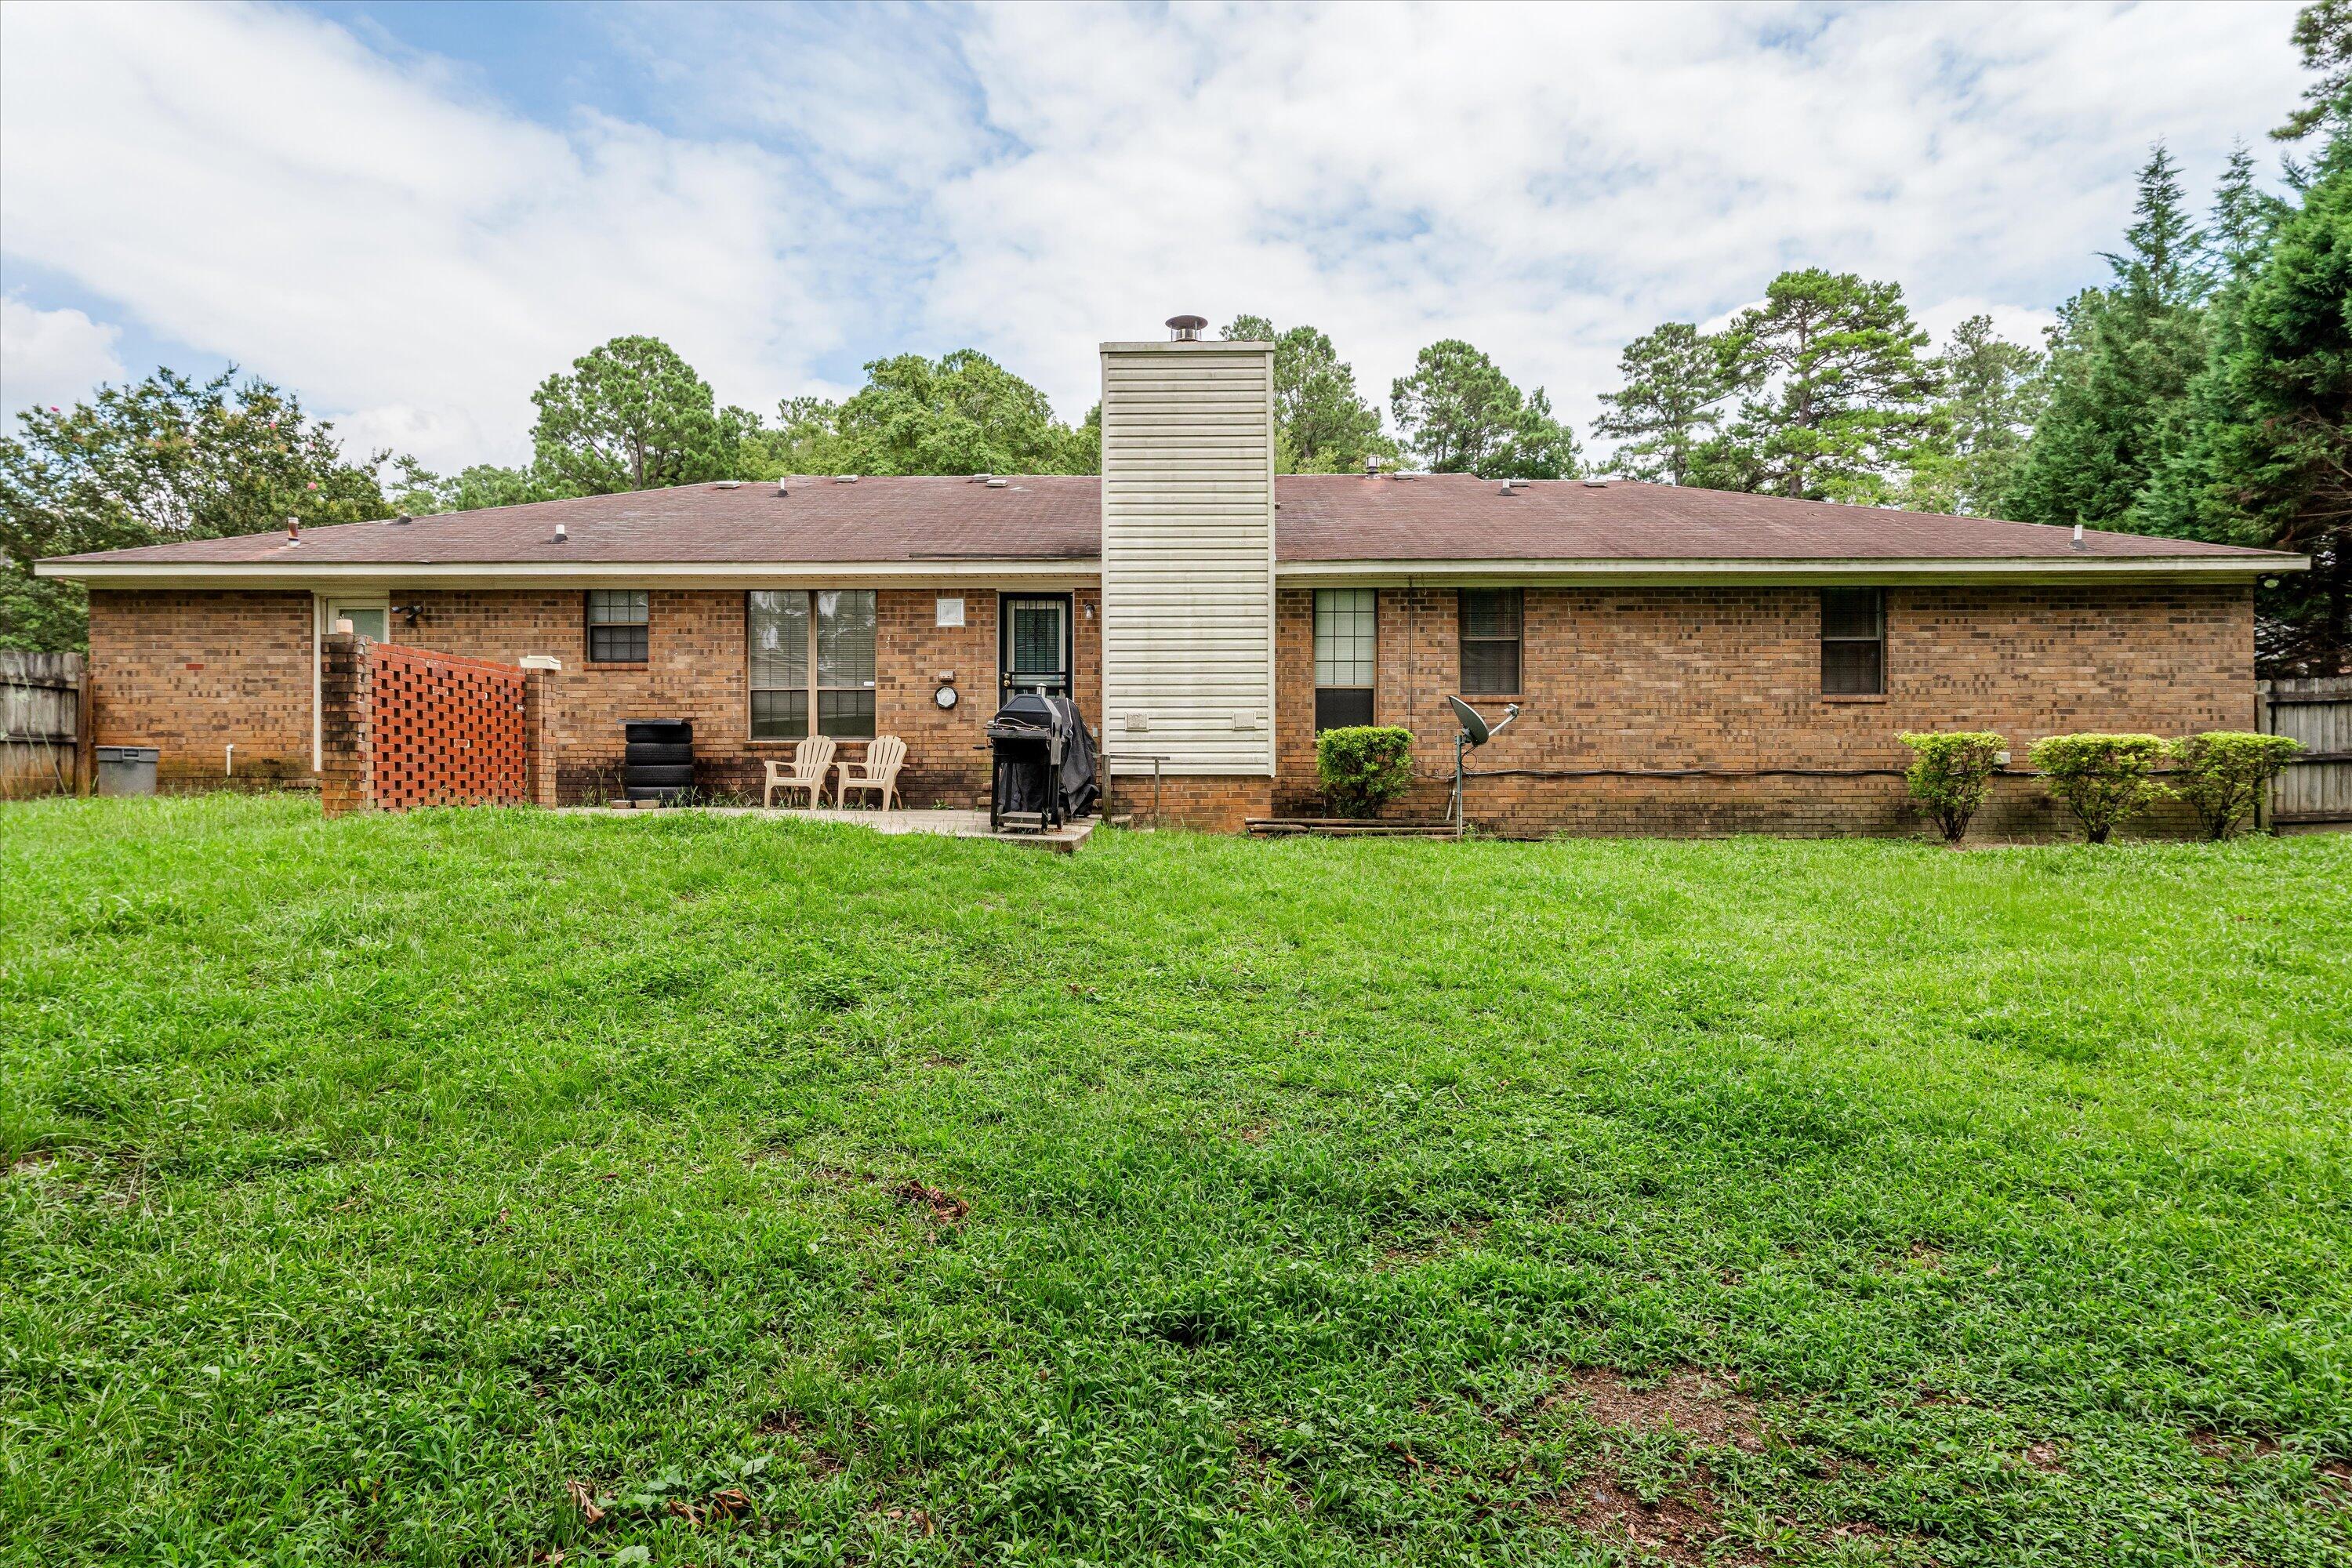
(468, 1187)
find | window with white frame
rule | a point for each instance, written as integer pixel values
(1347, 643)
(811, 652)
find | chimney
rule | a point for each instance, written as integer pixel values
(1188, 553)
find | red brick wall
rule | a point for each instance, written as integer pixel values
(696, 668)
(1728, 680)
(193, 672)
(1724, 679)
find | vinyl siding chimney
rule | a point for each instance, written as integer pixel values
(1188, 555)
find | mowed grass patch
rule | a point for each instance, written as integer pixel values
(471, 1186)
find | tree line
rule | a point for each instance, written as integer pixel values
(2199, 391)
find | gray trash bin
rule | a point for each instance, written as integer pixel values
(127, 770)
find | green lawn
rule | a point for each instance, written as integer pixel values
(389, 1189)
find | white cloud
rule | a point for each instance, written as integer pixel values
(52, 356)
(1545, 182)
(255, 183)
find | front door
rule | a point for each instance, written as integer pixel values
(1033, 644)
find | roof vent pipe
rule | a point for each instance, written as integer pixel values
(560, 533)
(1372, 466)
(1187, 329)
(2078, 536)
(784, 487)
(293, 531)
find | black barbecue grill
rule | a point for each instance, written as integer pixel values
(1044, 764)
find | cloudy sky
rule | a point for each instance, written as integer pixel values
(413, 214)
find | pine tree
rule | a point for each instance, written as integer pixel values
(1839, 399)
(1461, 414)
(1983, 418)
(1322, 424)
(2115, 379)
(1670, 406)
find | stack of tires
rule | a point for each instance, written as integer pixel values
(657, 763)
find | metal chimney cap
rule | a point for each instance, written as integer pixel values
(1187, 328)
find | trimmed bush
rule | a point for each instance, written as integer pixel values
(1952, 775)
(1363, 767)
(2104, 779)
(2221, 773)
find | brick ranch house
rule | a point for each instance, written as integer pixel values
(1689, 661)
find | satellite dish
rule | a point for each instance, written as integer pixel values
(1472, 724)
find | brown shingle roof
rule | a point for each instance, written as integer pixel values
(1449, 517)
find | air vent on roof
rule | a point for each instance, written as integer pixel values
(1509, 486)
(999, 484)
(560, 533)
(845, 478)
(1187, 329)
(784, 487)
(726, 485)
(982, 479)
(1596, 484)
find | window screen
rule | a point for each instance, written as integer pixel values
(1490, 640)
(1854, 642)
(1347, 640)
(811, 653)
(617, 625)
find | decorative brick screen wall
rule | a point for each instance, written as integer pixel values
(402, 727)
(448, 730)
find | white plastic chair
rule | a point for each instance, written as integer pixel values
(885, 755)
(812, 760)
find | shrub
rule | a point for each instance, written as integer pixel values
(1363, 767)
(2103, 779)
(1952, 775)
(2221, 773)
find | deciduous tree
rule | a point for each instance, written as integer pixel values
(961, 413)
(162, 460)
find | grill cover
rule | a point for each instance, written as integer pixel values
(1021, 735)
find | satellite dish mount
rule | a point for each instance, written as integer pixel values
(1475, 731)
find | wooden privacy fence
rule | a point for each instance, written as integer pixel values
(2316, 787)
(402, 727)
(43, 750)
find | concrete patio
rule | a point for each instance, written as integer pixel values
(951, 823)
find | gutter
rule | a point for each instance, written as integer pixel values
(1869, 570)
(324, 574)
(1865, 570)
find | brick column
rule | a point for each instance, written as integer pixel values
(538, 736)
(346, 723)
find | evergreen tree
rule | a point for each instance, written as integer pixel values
(1675, 382)
(1839, 399)
(633, 415)
(2115, 379)
(2322, 33)
(1461, 414)
(1983, 417)
(2267, 459)
(1322, 424)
